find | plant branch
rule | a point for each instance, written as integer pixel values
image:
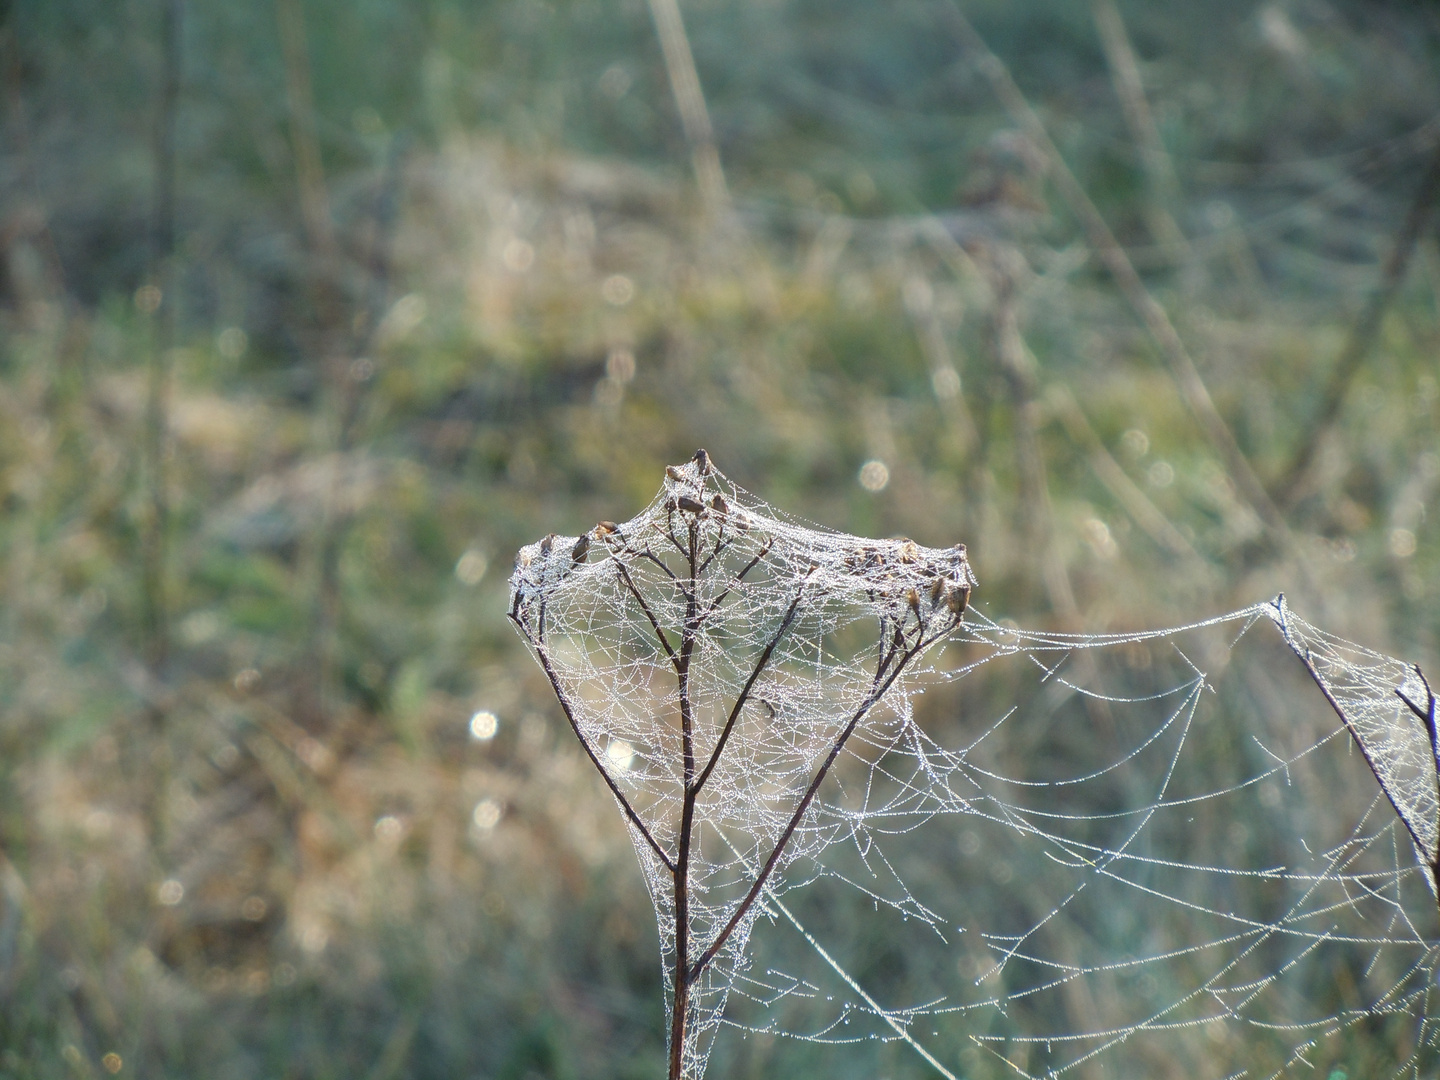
(719, 547)
(1432, 859)
(690, 101)
(162, 274)
(740, 577)
(659, 633)
(680, 1002)
(648, 554)
(1427, 717)
(744, 694)
(1130, 89)
(881, 683)
(543, 654)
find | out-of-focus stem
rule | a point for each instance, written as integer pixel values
(1130, 89)
(328, 309)
(1152, 316)
(162, 277)
(1362, 337)
(1144, 512)
(309, 171)
(1015, 363)
(690, 101)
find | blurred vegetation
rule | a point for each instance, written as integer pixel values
(293, 358)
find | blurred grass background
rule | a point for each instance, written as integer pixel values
(312, 312)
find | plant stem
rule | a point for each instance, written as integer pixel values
(680, 999)
(157, 643)
(1151, 315)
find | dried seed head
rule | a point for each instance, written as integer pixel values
(580, 550)
(913, 599)
(937, 590)
(547, 544)
(524, 558)
(702, 459)
(719, 505)
(674, 473)
(606, 528)
(957, 597)
(909, 551)
(689, 505)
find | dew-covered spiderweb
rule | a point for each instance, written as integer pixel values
(1149, 854)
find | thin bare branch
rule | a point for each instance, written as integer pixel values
(739, 578)
(1130, 89)
(659, 633)
(310, 172)
(1102, 240)
(1432, 858)
(648, 554)
(879, 686)
(744, 695)
(543, 654)
(1427, 717)
(719, 547)
(156, 523)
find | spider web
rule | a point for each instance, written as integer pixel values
(1144, 854)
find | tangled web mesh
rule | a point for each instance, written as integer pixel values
(1143, 854)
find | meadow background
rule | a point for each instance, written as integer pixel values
(312, 312)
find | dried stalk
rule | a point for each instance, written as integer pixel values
(1297, 480)
(309, 170)
(896, 647)
(1018, 367)
(1130, 89)
(1427, 716)
(690, 101)
(1102, 240)
(155, 613)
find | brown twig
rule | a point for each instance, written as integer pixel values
(645, 607)
(1427, 717)
(1362, 337)
(1102, 240)
(680, 990)
(520, 618)
(309, 170)
(744, 695)
(879, 685)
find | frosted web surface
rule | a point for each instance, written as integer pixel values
(1147, 854)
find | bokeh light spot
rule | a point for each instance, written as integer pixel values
(483, 725)
(874, 475)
